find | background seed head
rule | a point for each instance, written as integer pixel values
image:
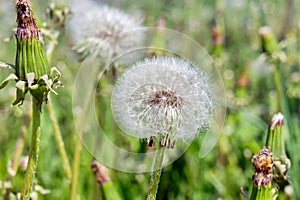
(102, 29)
(164, 97)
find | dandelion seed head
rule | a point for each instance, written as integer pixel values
(164, 97)
(103, 30)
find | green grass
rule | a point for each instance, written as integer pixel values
(250, 104)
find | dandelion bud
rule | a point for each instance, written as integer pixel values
(275, 141)
(268, 40)
(30, 57)
(166, 98)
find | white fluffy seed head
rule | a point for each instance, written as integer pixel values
(164, 97)
(103, 30)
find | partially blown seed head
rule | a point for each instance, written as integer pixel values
(102, 29)
(163, 97)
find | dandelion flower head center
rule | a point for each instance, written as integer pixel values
(157, 108)
(165, 99)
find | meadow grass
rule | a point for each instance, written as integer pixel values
(251, 95)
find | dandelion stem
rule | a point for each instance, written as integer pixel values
(75, 169)
(284, 107)
(56, 130)
(34, 149)
(78, 144)
(155, 176)
(59, 141)
(283, 102)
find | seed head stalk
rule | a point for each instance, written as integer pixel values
(78, 146)
(59, 140)
(155, 176)
(78, 143)
(56, 129)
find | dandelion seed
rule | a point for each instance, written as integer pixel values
(163, 97)
(102, 30)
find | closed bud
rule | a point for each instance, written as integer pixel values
(275, 140)
(268, 40)
(30, 57)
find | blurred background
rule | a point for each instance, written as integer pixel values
(230, 32)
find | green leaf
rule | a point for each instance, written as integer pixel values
(6, 65)
(21, 92)
(55, 74)
(47, 82)
(9, 78)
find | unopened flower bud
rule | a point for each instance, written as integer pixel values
(275, 141)
(268, 40)
(30, 57)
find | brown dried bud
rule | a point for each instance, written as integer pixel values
(263, 165)
(100, 172)
(27, 27)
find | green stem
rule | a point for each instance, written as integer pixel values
(78, 144)
(110, 191)
(155, 176)
(283, 102)
(59, 141)
(75, 168)
(284, 107)
(52, 45)
(34, 150)
(56, 130)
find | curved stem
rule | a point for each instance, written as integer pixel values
(56, 130)
(58, 138)
(75, 169)
(78, 144)
(155, 176)
(34, 150)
